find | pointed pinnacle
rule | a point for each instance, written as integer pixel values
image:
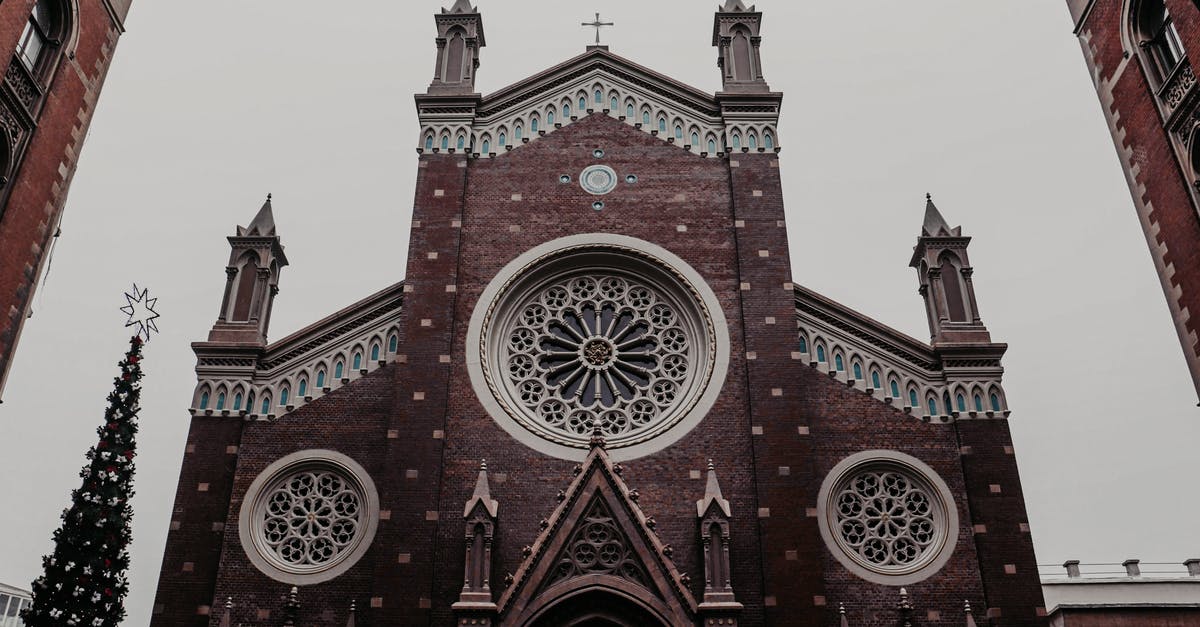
(483, 464)
(711, 466)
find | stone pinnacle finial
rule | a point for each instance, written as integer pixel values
(483, 464)
(461, 6)
(711, 466)
(970, 616)
(842, 613)
(268, 196)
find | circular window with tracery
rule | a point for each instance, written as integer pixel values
(888, 517)
(597, 335)
(309, 517)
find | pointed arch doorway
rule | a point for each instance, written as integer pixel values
(597, 608)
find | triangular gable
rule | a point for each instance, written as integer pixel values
(598, 538)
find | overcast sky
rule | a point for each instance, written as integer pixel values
(988, 105)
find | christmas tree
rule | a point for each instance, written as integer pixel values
(85, 577)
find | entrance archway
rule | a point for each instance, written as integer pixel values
(597, 608)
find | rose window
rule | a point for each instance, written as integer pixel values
(597, 338)
(310, 518)
(889, 518)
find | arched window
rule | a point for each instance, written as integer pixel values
(956, 304)
(517, 132)
(662, 125)
(244, 298)
(237, 402)
(487, 146)
(895, 389)
(803, 344)
(503, 141)
(321, 379)
(533, 125)
(462, 142)
(455, 53)
(204, 400)
(429, 142)
(962, 403)
(43, 34)
(645, 118)
(613, 105)
(857, 371)
(933, 407)
(375, 352)
(582, 103)
(820, 353)
(678, 132)
(769, 141)
(629, 113)
(712, 146)
(875, 380)
(978, 403)
(995, 402)
(695, 139)
(338, 370)
(566, 112)
(445, 142)
(912, 399)
(599, 97)
(753, 141)
(266, 404)
(220, 401)
(737, 141)
(1158, 37)
(550, 117)
(357, 361)
(393, 344)
(302, 388)
(283, 396)
(838, 363)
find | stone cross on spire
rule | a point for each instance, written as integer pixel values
(597, 25)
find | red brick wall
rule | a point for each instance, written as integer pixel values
(33, 200)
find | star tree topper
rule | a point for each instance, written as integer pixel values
(141, 312)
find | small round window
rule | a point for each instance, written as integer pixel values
(888, 517)
(598, 180)
(309, 517)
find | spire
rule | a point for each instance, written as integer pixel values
(935, 225)
(353, 607)
(970, 616)
(712, 494)
(732, 6)
(482, 494)
(263, 223)
(842, 613)
(461, 6)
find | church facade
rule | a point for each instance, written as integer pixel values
(598, 397)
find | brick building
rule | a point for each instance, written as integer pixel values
(598, 302)
(1139, 53)
(61, 54)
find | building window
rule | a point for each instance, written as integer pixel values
(753, 141)
(429, 142)
(895, 390)
(821, 354)
(912, 399)
(503, 141)
(978, 403)
(38, 37)
(598, 96)
(803, 345)
(582, 103)
(933, 407)
(962, 403)
(838, 364)
(221, 401)
(487, 146)
(550, 117)
(393, 344)
(321, 379)
(662, 125)
(517, 132)
(204, 400)
(629, 112)
(302, 390)
(613, 105)
(1159, 38)
(357, 361)
(237, 402)
(769, 141)
(875, 380)
(266, 405)
(566, 112)
(678, 132)
(737, 142)
(533, 126)
(445, 142)
(646, 118)
(338, 369)
(284, 394)
(995, 403)
(462, 142)
(857, 371)
(712, 147)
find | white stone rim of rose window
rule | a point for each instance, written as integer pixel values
(251, 532)
(643, 253)
(928, 565)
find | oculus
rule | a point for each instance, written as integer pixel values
(598, 180)
(888, 517)
(309, 517)
(598, 334)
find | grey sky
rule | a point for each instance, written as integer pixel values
(210, 105)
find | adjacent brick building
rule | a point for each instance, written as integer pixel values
(61, 54)
(1140, 55)
(597, 397)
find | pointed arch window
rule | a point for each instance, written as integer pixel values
(912, 399)
(857, 371)
(566, 112)
(503, 141)
(662, 125)
(487, 146)
(613, 105)
(753, 141)
(895, 389)
(550, 117)
(952, 281)
(204, 400)
(302, 389)
(962, 403)
(712, 147)
(978, 403)
(645, 118)
(821, 353)
(266, 404)
(321, 379)
(237, 402)
(517, 132)
(737, 141)
(462, 142)
(429, 142)
(838, 363)
(1158, 38)
(629, 113)
(445, 142)
(393, 344)
(875, 380)
(695, 139)
(221, 401)
(284, 394)
(375, 352)
(582, 103)
(769, 141)
(357, 364)
(533, 125)
(933, 406)
(995, 402)
(598, 96)
(803, 345)
(339, 370)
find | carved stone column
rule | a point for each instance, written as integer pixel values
(719, 607)
(475, 605)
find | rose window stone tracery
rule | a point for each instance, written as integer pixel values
(311, 518)
(600, 330)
